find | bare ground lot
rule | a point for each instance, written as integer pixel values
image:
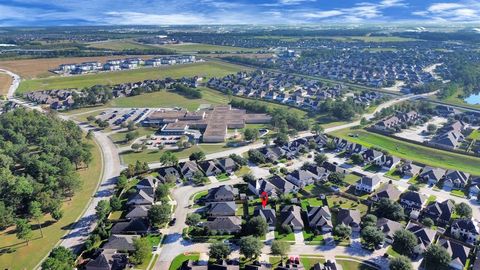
(419, 133)
(34, 68)
(5, 82)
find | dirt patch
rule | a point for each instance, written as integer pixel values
(5, 82)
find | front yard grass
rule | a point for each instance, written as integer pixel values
(223, 177)
(458, 193)
(312, 239)
(351, 178)
(178, 261)
(284, 237)
(393, 174)
(311, 202)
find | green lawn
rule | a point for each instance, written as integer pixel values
(154, 155)
(341, 202)
(352, 265)
(204, 69)
(284, 237)
(311, 238)
(14, 249)
(195, 47)
(153, 240)
(432, 198)
(475, 135)
(311, 202)
(458, 193)
(119, 137)
(177, 261)
(393, 174)
(391, 252)
(310, 261)
(120, 45)
(421, 154)
(351, 178)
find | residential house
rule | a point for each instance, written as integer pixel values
(258, 266)
(228, 165)
(273, 154)
(108, 260)
(440, 212)
(259, 186)
(425, 236)
(412, 200)
(291, 215)
(475, 187)
(148, 184)
(301, 178)
(188, 169)
(120, 242)
(465, 229)
(138, 226)
(138, 211)
(268, 214)
(321, 174)
(372, 156)
(349, 217)
(455, 179)
(458, 252)
(388, 227)
(217, 209)
(368, 184)
(140, 198)
(408, 169)
(331, 167)
(320, 218)
(388, 191)
(225, 224)
(282, 185)
(221, 194)
(224, 265)
(328, 265)
(291, 264)
(210, 168)
(167, 174)
(387, 162)
(193, 265)
(432, 175)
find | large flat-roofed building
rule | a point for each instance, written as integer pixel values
(214, 121)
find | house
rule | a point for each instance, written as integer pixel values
(301, 178)
(148, 184)
(193, 265)
(458, 252)
(227, 164)
(440, 212)
(320, 218)
(167, 174)
(230, 224)
(210, 168)
(224, 265)
(388, 227)
(140, 198)
(368, 184)
(425, 236)
(120, 242)
(388, 191)
(372, 156)
(138, 211)
(188, 169)
(465, 229)
(137, 226)
(291, 215)
(273, 154)
(474, 187)
(268, 214)
(331, 167)
(282, 185)
(328, 265)
(321, 174)
(258, 266)
(291, 264)
(455, 179)
(387, 162)
(259, 186)
(412, 200)
(348, 217)
(108, 260)
(217, 209)
(432, 175)
(408, 169)
(221, 194)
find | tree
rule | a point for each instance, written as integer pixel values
(89, 135)
(248, 177)
(159, 214)
(431, 128)
(428, 222)
(57, 213)
(336, 177)
(7, 217)
(413, 188)
(389, 209)
(219, 251)
(317, 128)
(60, 258)
(286, 229)
(372, 237)
(162, 191)
(122, 182)
(257, 226)
(369, 220)
(193, 219)
(404, 241)
(168, 159)
(199, 179)
(357, 158)
(280, 248)
(24, 230)
(90, 118)
(251, 134)
(281, 139)
(250, 247)
(266, 141)
(115, 203)
(320, 159)
(436, 258)
(197, 156)
(463, 210)
(142, 250)
(103, 209)
(136, 147)
(256, 157)
(342, 231)
(400, 263)
(35, 212)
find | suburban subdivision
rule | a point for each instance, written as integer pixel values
(177, 142)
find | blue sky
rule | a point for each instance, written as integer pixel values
(157, 12)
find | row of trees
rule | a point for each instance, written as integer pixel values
(187, 92)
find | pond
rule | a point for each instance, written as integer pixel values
(473, 99)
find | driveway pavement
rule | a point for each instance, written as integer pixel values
(299, 240)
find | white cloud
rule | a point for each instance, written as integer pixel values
(122, 18)
(323, 14)
(466, 11)
(439, 7)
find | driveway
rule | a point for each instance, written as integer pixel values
(299, 240)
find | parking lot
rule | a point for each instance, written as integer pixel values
(117, 117)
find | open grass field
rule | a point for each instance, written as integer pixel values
(353, 265)
(120, 45)
(475, 135)
(203, 69)
(196, 47)
(34, 68)
(15, 254)
(5, 82)
(422, 154)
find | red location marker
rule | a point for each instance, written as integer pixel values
(264, 197)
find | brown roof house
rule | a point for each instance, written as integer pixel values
(291, 216)
(348, 217)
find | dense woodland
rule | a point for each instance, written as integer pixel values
(39, 156)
